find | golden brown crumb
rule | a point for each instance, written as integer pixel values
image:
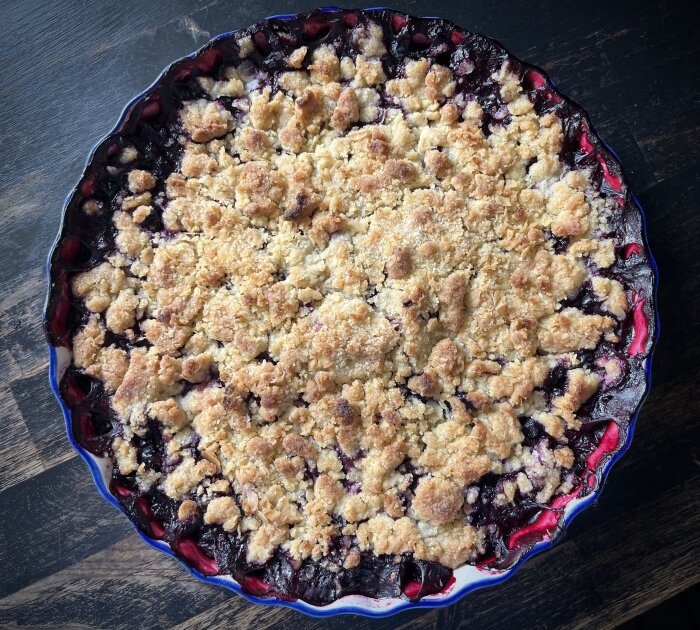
(437, 163)
(425, 384)
(188, 510)
(447, 358)
(438, 501)
(260, 447)
(140, 181)
(204, 120)
(347, 111)
(297, 445)
(128, 154)
(571, 330)
(99, 286)
(403, 170)
(345, 413)
(302, 207)
(92, 207)
(170, 413)
(197, 165)
(399, 265)
(297, 57)
(223, 511)
(452, 300)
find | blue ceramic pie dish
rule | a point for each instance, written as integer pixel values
(541, 531)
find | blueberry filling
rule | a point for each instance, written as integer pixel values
(555, 383)
(93, 420)
(585, 301)
(533, 431)
(151, 447)
(311, 581)
(559, 243)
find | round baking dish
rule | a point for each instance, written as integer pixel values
(611, 441)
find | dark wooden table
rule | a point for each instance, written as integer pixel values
(68, 560)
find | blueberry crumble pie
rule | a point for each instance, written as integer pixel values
(353, 299)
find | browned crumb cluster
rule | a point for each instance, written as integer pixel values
(341, 299)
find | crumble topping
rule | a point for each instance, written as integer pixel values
(357, 295)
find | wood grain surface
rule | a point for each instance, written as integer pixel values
(69, 560)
